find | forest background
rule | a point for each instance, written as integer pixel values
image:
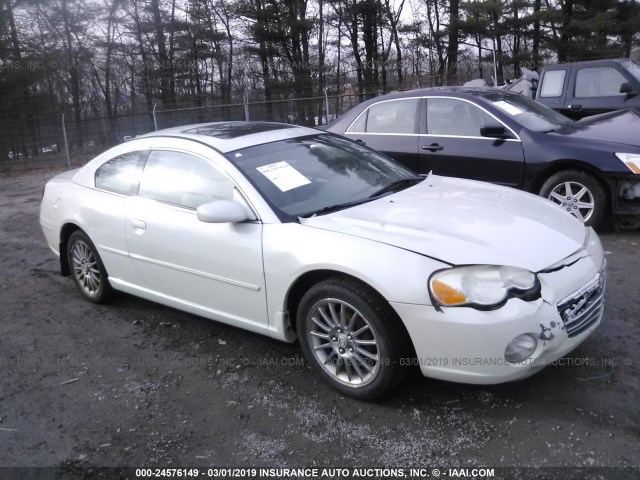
(102, 71)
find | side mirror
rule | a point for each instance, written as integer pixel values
(224, 211)
(627, 89)
(494, 130)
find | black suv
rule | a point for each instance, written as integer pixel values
(588, 88)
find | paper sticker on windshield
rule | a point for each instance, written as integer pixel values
(284, 176)
(507, 107)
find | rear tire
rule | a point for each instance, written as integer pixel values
(353, 338)
(87, 269)
(578, 193)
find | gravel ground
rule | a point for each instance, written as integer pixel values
(137, 384)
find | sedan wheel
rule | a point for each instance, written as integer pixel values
(352, 338)
(87, 269)
(577, 193)
(343, 342)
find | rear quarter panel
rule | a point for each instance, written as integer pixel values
(100, 215)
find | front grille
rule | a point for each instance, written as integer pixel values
(583, 308)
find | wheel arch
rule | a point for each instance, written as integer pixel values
(571, 164)
(305, 281)
(65, 232)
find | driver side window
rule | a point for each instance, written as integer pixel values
(183, 180)
(451, 116)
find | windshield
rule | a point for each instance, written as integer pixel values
(312, 175)
(528, 113)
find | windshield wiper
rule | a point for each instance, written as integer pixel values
(335, 208)
(395, 186)
(403, 182)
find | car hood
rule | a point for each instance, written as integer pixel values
(617, 127)
(464, 222)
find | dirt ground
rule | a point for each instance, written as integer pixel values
(137, 384)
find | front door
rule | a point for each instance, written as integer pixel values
(454, 147)
(215, 266)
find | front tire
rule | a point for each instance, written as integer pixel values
(87, 269)
(353, 338)
(578, 193)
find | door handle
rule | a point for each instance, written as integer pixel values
(139, 224)
(361, 142)
(433, 147)
(576, 107)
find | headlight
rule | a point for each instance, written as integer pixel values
(482, 286)
(631, 160)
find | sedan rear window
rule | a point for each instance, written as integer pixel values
(122, 173)
(391, 116)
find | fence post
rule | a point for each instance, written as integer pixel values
(495, 67)
(66, 143)
(246, 101)
(155, 121)
(326, 105)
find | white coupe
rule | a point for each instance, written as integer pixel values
(295, 233)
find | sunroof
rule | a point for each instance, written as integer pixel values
(230, 130)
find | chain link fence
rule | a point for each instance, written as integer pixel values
(55, 140)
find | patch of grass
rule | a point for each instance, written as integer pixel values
(43, 163)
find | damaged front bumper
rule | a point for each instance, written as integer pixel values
(627, 195)
(467, 345)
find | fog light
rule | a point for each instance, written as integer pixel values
(520, 348)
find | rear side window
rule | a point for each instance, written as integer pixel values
(598, 82)
(393, 116)
(184, 180)
(122, 173)
(552, 83)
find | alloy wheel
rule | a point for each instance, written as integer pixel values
(85, 268)
(575, 198)
(343, 342)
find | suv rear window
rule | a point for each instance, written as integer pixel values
(552, 83)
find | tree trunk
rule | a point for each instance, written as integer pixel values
(163, 57)
(516, 41)
(535, 48)
(146, 82)
(74, 77)
(565, 36)
(452, 47)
